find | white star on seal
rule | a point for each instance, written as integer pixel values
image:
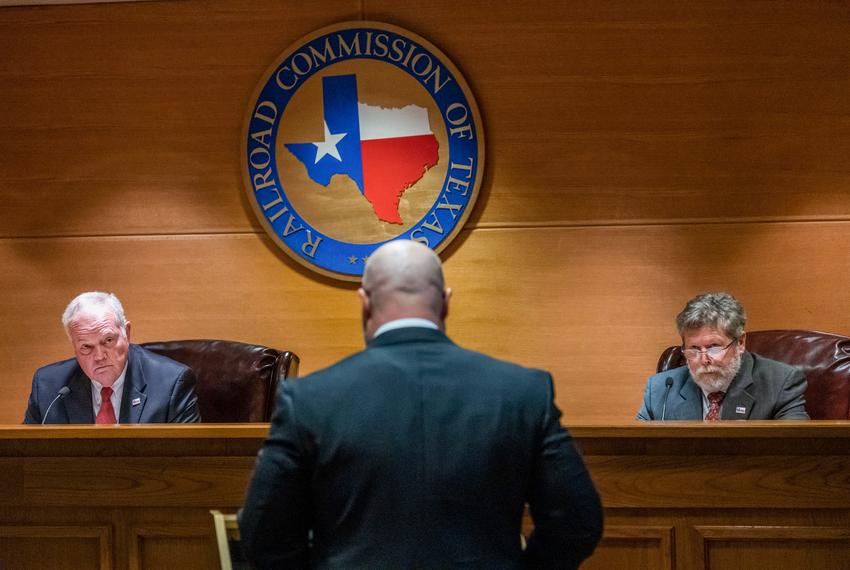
(328, 146)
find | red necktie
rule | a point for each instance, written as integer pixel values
(714, 401)
(106, 414)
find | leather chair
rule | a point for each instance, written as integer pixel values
(236, 382)
(823, 357)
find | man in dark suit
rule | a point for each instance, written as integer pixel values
(416, 453)
(721, 380)
(108, 374)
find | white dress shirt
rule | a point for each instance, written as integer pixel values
(404, 323)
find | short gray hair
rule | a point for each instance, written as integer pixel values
(84, 301)
(718, 310)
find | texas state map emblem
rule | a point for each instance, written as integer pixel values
(359, 134)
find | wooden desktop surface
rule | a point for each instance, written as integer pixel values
(677, 495)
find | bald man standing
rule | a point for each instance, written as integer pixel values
(416, 453)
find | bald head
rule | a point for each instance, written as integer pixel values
(403, 279)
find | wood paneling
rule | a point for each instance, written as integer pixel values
(134, 497)
(153, 482)
(595, 306)
(813, 548)
(636, 547)
(630, 111)
(717, 515)
(125, 119)
(182, 547)
(638, 153)
(56, 547)
(653, 110)
(818, 481)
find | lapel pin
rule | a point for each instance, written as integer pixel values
(740, 410)
(137, 401)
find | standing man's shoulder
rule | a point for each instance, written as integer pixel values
(511, 375)
(513, 369)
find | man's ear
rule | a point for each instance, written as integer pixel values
(447, 295)
(365, 302)
(742, 342)
(127, 330)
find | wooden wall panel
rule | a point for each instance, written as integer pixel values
(716, 514)
(635, 547)
(162, 546)
(653, 110)
(638, 153)
(595, 306)
(125, 119)
(57, 547)
(813, 548)
(624, 112)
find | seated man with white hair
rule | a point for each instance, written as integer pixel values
(109, 381)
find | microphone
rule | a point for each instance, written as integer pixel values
(62, 393)
(669, 383)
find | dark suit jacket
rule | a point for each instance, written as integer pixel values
(163, 389)
(416, 453)
(763, 389)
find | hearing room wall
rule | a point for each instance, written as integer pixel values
(638, 152)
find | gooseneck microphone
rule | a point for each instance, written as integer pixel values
(62, 393)
(669, 383)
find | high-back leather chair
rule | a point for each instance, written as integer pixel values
(236, 382)
(823, 357)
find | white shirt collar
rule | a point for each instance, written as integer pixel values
(405, 323)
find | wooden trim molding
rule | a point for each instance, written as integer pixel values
(7, 3)
(756, 533)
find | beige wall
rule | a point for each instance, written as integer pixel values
(638, 152)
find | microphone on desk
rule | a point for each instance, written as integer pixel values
(62, 393)
(669, 383)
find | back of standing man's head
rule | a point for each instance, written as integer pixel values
(403, 279)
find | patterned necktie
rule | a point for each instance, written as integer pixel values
(106, 414)
(714, 401)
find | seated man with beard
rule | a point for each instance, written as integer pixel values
(721, 380)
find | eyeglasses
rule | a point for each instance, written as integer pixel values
(713, 352)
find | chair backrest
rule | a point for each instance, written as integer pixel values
(236, 382)
(823, 357)
(227, 539)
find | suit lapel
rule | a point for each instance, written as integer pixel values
(738, 403)
(689, 406)
(78, 404)
(134, 398)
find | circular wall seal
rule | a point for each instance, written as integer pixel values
(359, 134)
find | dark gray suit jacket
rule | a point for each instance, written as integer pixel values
(156, 390)
(415, 453)
(763, 389)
